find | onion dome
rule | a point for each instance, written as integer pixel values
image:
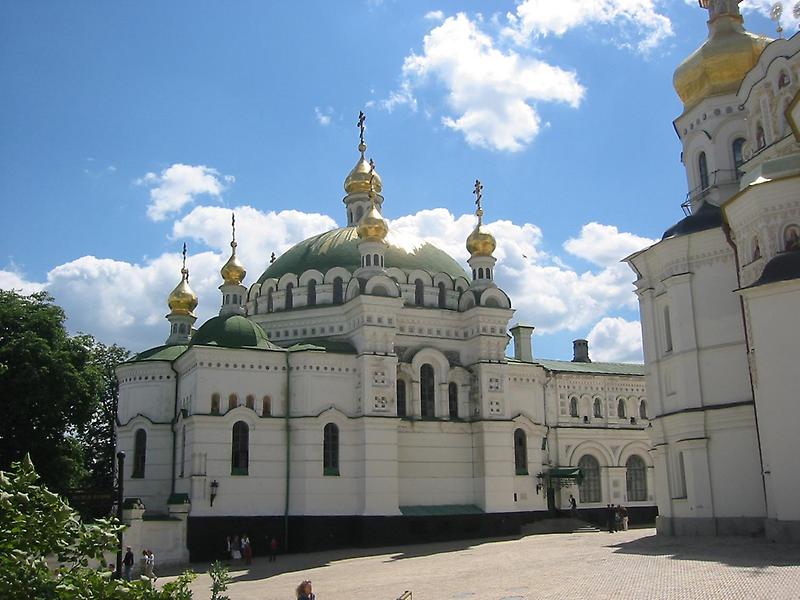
(363, 177)
(480, 242)
(231, 331)
(182, 300)
(233, 271)
(373, 227)
(721, 63)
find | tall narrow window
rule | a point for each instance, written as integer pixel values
(338, 290)
(139, 453)
(598, 408)
(289, 302)
(401, 398)
(573, 407)
(250, 402)
(270, 304)
(520, 452)
(427, 390)
(643, 409)
(589, 487)
(240, 448)
(266, 406)
(233, 401)
(761, 139)
(419, 292)
(738, 155)
(312, 293)
(480, 272)
(368, 260)
(330, 450)
(452, 400)
(702, 166)
(621, 408)
(183, 449)
(214, 404)
(667, 330)
(442, 296)
(636, 479)
(680, 491)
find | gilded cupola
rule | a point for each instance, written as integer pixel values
(480, 242)
(372, 227)
(362, 179)
(233, 271)
(182, 300)
(721, 63)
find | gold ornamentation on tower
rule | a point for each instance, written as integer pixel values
(373, 227)
(182, 300)
(233, 271)
(720, 64)
(361, 179)
(480, 242)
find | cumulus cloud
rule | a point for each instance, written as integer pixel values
(13, 279)
(638, 23)
(434, 15)
(178, 185)
(490, 92)
(613, 339)
(605, 245)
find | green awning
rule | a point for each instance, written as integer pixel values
(564, 473)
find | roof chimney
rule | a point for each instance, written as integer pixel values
(580, 351)
(522, 342)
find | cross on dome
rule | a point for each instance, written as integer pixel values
(478, 191)
(718, 8)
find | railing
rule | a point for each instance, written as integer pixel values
(717, 178)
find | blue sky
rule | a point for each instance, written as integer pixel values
(129, 128)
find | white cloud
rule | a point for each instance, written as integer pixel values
(613, 339)
(638, 23)
(12, 279)
(403, 96)
(490, 92)
(434, 15)
(323, 115)
(764, 7)
(178, 185)
(605, 245)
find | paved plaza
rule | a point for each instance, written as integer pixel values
(596, 566)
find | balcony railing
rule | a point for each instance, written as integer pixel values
(716, 179)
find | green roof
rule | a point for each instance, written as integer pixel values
(232, 331)
(440, 509)
(339, 248)
(168, 353)
(564, 473)
(324, 345)
(598, 368)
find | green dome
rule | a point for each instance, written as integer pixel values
(231, 331)
(339, 248)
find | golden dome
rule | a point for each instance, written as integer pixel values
(182, 300)
(233, 271)
(721, 63)
(358, 179)
(480, 242)
(373, 227)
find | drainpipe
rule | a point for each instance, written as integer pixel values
(288, 452)
(174, 432)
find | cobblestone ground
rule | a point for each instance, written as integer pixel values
(596, 566)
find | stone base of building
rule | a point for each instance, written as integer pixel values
(782, 531)
(746, 526)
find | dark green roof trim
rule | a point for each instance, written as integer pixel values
(440, 510)
(323, 345)
(707, 217)
(781, 267)
(165, 353)
(339, 248)
(597, 368)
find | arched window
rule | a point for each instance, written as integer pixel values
(480, 273)
(702, 167)
(289, 296)
(621, 408)
(183, 449)
(330, 450)
(233, 401)
(573, 407)
(442, 296)
(376, 260)
(761, 139)
(488, 273)
(269, 301)
(452, 400)
(266, 406)
(368, 260)
(589, 486)
(250, 402)
(474, 274)
(401, 398)
(139, 453)
(643, 409)
(598, 408)
(312, 293)
(214, 404)
(240, 448)
(520, 452)
(338, 290)
(427, 391)
(738, 155)
(419, 292)
(636, 479)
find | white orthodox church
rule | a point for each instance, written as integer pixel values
(359, 393)
(720, 293)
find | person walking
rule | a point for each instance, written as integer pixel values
(273, 549)
(624, 513)
(127, 563)
(611, 515)
(304, 591)
(236, 548)
(247, 549)
(573, 506)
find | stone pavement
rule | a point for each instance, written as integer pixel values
(597, 566)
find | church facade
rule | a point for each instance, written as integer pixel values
(359, 392)
(720, 293)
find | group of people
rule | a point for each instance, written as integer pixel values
(148, 564)
(617, 517)
(240, 548)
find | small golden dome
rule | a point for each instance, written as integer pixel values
(373, 227)
(480, 242)
(721, 63)
(233, 271)
(182, 300)
(358, 179)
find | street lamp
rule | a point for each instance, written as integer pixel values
(120, 472)
(214, 488)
